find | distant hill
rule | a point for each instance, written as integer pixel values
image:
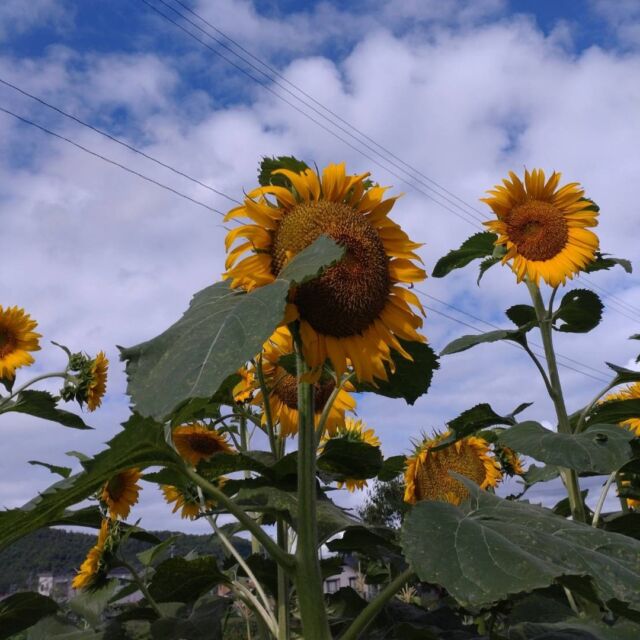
(61, 552)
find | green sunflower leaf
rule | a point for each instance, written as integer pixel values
(472, 340)
(614, 411)
(181, 580)
(411, 378)
(269, 165)
(391, 468)
(606, 262)
(522, 315)
(479, 245)
(623, 375)
(222, 329)
(346, 459)
(22, 610)
(575, 629)
(497, 548)
(141, 444)
(42, 404)
(601, 448)
(580, 311)
(485, 265)
(65, 472)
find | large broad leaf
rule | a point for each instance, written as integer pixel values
(623, 375)
(499, 547)
(346, 459)
(575, 629)
(522, 315)
(411, 378)
(615, 411)
(222, 329)
(91, 604)
(479, 245)
(601, 448)
(22, 610)
(141, 444)
(579, 311)
(605, 261)
(391, 468)
(41, 404)
(480, 417)
(468, 341)
(180, 580)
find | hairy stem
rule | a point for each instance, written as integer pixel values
(244, 444)
(602, 498)
(569, 476)
(368, 614)
(26, 385)
(283, 584)
(278, 554)
(315, 625)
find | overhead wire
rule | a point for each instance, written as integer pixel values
(460, 212)
(109, 160)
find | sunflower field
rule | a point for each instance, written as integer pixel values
(243, 415)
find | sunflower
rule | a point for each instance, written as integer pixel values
(509, 460)
(243, 391)
(631, 392)
(353, 431)
(543, 228)
(195, 442)
(357, 310)
(187, 498)
(89, 571)
(17, 339)
(121, 492)
(283, 386)
(427, 473)
(98, 381)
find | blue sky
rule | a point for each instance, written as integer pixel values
(463, 91)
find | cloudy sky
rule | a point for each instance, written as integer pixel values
(458, 93)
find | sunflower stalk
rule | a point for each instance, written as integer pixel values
(545, 317)
(244, 446)
(603, 496)
(137, 578)
(26, 385)
(328, 406)
(308, 576)
(283, 583)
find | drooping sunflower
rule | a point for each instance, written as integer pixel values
(121, 492)
(283, 386)
(631, 392)
(187, 499)
(17, 339)
(358, 309)
(98, 382)
(509, 460)
(543, 227)
(195, 442)
(91, 569)
(427, 472)
(354, 431)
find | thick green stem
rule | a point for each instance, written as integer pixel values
(244, 445)
(569, 476)
(26, 385)
(283, 584)
(315, 625)
(267, 406)
(278, 554)
(602, 498)
(142, 586)
(368, 614)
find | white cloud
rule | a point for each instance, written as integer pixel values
(17, 16)
(101, 258)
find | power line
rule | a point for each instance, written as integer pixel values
(459, 213)
(495, 326)
(110, 161)
(513, 344)
(116, 140)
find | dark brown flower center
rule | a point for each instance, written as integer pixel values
(286, 388)
(349, 296)
(8, 342)
(433, 481)
(538, 230)
(204, 444)
(116, 487)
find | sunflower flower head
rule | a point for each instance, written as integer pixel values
(509, 460)
(631, 392)
(89, 380)
(353, 431)
(427, 474)
(543, 228)
(121, 492)
(283, 388)
(186, 498)
(93, 571)
(196, 442)
(17, 341)
(357, 310)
